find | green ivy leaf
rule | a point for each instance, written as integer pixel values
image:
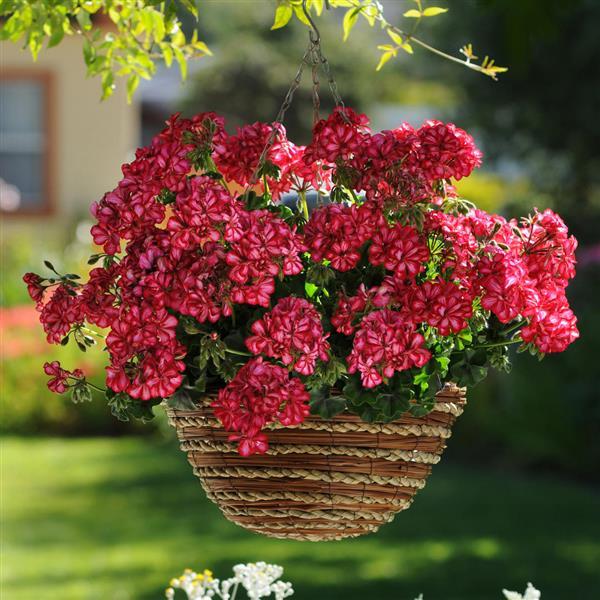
(81, 392)
(392, 406)
(142, 409)
(321, 403)
(227, 370)
(119, 404)
(181, 400)
(470, 367)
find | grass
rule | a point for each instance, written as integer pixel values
(115, 519)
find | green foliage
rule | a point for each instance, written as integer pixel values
(81, 392)
(144, 32)
(26, 404)
(326, 405)
(125, 408)
(140, 34)
(402, 38)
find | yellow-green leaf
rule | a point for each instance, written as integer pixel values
(396, 37)
(432, 11)
(178, 38)
(190, 6)
(384, 58)
(158, 25)
(132, 82)
(407, 47)
(167, 54)
(318, 4)
(57, 34)
(370, 13)
(115, 15)
(83, 18)
(202, 47)
(181, 60)
(283, 14)
(107, 84)
(413, 13)
(350, 20)
(300, 15)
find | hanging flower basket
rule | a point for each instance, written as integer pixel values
(301, 311)
(325, 479)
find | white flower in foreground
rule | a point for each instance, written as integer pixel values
(530, 594)
(259, 580)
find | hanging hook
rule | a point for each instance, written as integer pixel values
(314, 33)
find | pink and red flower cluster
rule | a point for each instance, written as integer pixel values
(336, 233)
(178, 242)
(383, 344)
(59, 377)
(260, 393)
(291, 332)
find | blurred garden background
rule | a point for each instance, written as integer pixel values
(95, 508)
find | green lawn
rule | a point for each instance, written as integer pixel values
(117, 518)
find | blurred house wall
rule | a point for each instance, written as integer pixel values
(85, 140)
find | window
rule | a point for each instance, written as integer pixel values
(25, 177)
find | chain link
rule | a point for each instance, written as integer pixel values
(315, 86)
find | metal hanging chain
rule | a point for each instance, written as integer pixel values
(287, 102)
(315, 39)
(315, 61)
(314, 57)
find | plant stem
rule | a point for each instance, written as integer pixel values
(423, 44)
(103, 390)
(496, 344)
(238, 352)
(235, 590)
(97, 334)
(304, 205)
(512, 328)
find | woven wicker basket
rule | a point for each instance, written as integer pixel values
(322, 480)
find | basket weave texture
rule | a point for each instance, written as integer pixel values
(326, 479)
